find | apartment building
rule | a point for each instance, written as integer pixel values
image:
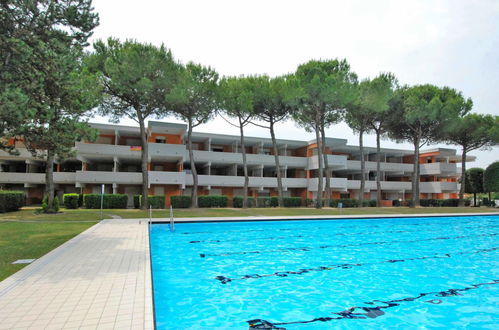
(114, 160)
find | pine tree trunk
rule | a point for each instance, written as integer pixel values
(278, 166)
(49, 181)
(194, 193)
(463, 177)
(378, 169)
(326, 165)
(144, 159)
(415, 175)
(245, 166)
(318, 201)
(362, 169)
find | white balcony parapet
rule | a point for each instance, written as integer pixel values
(438, 168)
(108, 177)
(337, 184)
(238, 181)
(334, 162)
(90, 150)
(36, 178)
(159, 177)
(387, 167)
(203, 156)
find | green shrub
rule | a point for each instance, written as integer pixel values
(347, 202)
(369, 203)
(11, 200)
(180, 202)
(453, 202)
(110, 201)
(136, 201)
(431, 202)
(274, 201)
(292, 201)
(156, 202)
(55, 204)
(263, 202)
(70, 201)
(396, 203)
(212, 201)
(237, 201)
(80, 200)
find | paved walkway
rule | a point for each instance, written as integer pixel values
(100, 279)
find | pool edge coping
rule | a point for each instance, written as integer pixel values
(316, 217)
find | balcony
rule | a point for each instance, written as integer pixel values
(385, 185)
(106, 151)
(202, 156)
(438, 169)
(108, 177)
(157, 177)
(238, 181)
(337, 162)
(338, 184)
(162, 151)
(387, 167)
(36, 178)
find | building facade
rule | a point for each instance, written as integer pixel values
(114, 160)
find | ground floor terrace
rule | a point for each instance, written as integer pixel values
(101, 279)
(390, 191)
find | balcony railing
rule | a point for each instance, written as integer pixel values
(36, 178)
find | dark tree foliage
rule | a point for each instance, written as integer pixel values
(44, 88)
(491, 178)
(474, 182)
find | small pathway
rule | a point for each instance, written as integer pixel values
(100, 279)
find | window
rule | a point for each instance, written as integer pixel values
(160, 139)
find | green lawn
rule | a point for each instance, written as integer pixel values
(27, 234)
(31, 240)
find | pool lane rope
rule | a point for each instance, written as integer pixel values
(364, 312)
(225, 280)
(308, 248)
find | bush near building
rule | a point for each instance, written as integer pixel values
(110, 201)
(181, 202)
(71, 201)
(156, 202)
(213, 201)
(237, 201)
(11, 200)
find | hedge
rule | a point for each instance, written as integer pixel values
(347, 202)
(237, 201)
(11, 200)
(55, 204)
(71, 201)
(180, 202)
(156, 202)
(212, 201)
(110, 201)
(292, 201)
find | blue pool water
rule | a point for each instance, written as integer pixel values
(378, 273)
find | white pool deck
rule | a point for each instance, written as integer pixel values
(100, 279)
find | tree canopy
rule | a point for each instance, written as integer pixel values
(137, 80)
(491, 178)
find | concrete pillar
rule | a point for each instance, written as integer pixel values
(115, 188)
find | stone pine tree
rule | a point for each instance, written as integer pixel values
(473, 183)
(195, 101)
(274, 99)
(471, 132)
(383, 89)
(326, 88)
(491, 178)
(44, 89)
(236, 101)
(421, 113)
(136, 79)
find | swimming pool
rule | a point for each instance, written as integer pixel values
(317, 274)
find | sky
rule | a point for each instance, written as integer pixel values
(445, 43)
